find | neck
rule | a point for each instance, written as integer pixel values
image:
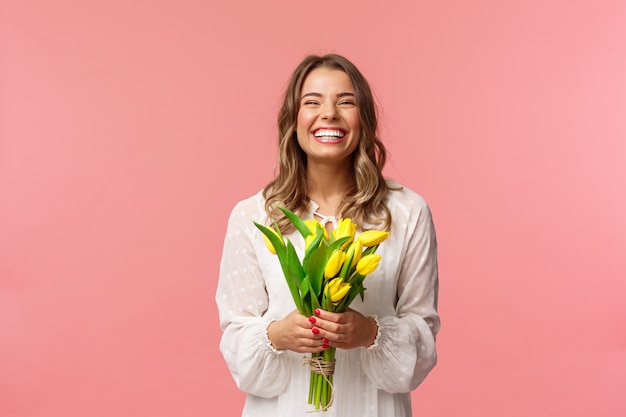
(327, 185)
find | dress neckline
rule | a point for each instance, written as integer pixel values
(326, 219)
(323, 219)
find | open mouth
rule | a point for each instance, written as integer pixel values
(329, 135)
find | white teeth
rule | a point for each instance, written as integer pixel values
(329, 132)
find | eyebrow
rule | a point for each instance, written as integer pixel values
(319, 95)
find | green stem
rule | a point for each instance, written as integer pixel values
(311, 387)
(318, 390)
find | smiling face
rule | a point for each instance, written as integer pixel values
(328, 124)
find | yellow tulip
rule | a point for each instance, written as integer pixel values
(312, 225)
(372, 237)
(356, 248)
(308, 240)
(368, 264)
(268, 243)
(336, 289)
(334, 263)
(345, 227)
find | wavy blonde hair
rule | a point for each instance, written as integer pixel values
(365, 202)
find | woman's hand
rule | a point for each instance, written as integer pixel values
(347, 330)
(295, 332)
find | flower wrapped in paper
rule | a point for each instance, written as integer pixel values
(329, 276)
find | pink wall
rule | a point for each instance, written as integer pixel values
(129, 129)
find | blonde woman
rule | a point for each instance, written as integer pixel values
(330, 166)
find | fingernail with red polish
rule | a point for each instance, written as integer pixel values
(312, 319)
(325, 346)
(325, 341)
(317, 312)
(315, 330)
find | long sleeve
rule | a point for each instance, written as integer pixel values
(242, 301)
(405, 350)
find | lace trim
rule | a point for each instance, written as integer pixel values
(267, 342)
(381, 335)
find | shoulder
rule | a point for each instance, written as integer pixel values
(249, 209)
(403, 201)
(410, 213)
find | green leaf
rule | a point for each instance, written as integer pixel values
(293, 263)
(370, 250)
(337, 244)
(297, 222)
(315, 269)
(306, 296)
(305, 287)
(294, 274)
(277, 242)
(314, 246)
(327, 304)
(315, 303)
(345, 269)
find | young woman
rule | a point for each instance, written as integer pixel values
(330, 166)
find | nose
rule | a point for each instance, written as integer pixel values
(329, 112)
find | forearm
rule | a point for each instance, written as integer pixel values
(255, 365)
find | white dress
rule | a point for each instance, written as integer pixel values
(401, 294)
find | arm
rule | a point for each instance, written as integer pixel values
(404, 351)
(242, 301)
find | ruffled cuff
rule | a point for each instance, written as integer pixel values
(267, 342)
(381, 336)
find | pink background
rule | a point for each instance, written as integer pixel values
(129, 129)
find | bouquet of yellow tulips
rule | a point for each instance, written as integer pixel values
(329, 276)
